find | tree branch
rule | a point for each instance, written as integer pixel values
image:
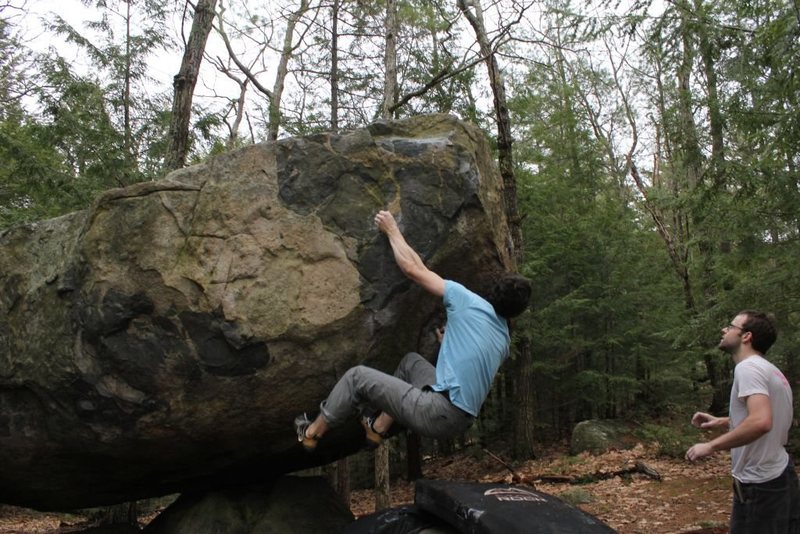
(443, 75)
(245, 70)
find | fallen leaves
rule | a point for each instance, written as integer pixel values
(690, 497)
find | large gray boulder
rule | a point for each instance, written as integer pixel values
(165, 338)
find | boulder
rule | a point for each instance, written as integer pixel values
(290, 505)
(165, 338)
(108, 529)
(601, 435)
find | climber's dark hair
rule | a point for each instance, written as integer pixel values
(509, 293)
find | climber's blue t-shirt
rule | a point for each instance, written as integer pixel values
(475, 343)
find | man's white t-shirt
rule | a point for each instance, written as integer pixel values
(765, 458)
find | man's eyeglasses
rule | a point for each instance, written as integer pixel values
(743, 329)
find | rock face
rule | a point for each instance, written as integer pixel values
(165, 338)
(289, 505)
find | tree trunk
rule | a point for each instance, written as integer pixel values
(413, 456)
(335, 66)
(280, 77)
(792, 370)
(233, 137)
(383, 497)
(690, 152)
(718, 373)
(525, 420)
(390, 90)
(382, 468)
(184, 83)
(343, 480)
(126, 97)
(524, 428)
(714, 112)
(338, 474)
(691, 157)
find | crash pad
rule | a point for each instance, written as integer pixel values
(401, 520)
(479, 508)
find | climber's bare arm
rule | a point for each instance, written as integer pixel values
(407, 259)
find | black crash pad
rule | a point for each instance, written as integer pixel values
(401, 520)
(475, 508)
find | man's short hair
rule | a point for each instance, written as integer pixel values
(762, 328)
(508, 293)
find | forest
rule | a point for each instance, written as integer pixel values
(649, 151)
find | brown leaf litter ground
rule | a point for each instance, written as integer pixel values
(688, 498)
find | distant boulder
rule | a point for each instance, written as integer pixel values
(601, 435)
(165, 338)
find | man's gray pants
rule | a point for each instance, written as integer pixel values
(404, 396)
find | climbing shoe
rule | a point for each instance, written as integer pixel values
(374, 438)
(301, 424)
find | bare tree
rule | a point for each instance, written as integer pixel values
(390, 89)
(126, 97)
(280, 78)
(185, 81)
(383, 497)
(236, 106)
(286, 52)
(248, 75)
(335, 66)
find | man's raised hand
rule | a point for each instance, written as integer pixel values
(385, 222)
(704, 420)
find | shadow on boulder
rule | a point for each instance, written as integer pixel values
(292, 505)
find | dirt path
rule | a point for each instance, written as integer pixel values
(689, 498)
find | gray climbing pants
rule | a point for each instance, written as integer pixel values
(406, 396)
